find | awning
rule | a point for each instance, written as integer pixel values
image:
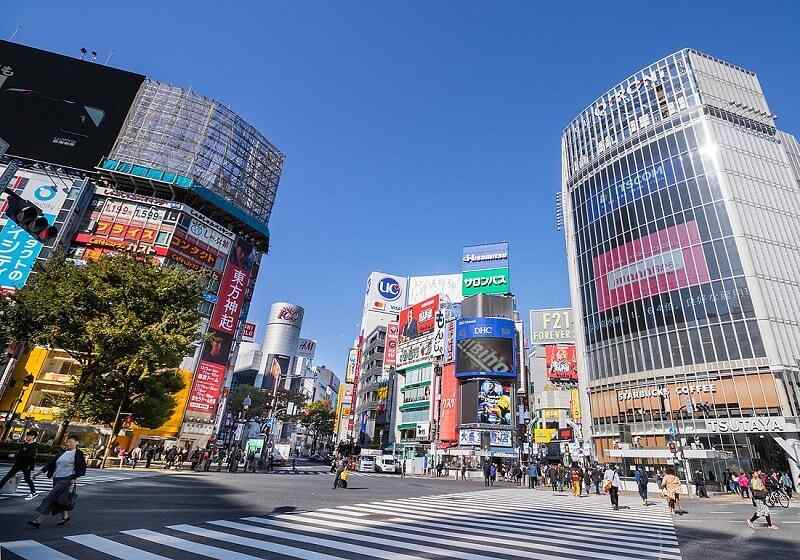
(666, 454)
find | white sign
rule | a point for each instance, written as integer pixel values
(210, 233)
(286, 314)
(647, 392)
(756, 424)
(417, 351)
(497, 438)
(386, 293)
(552, 326)
(422, 430)
(446, 285)
(306, 348)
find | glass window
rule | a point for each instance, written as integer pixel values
(163, 238)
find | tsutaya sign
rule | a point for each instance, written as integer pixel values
(647, 392)
(756, 424)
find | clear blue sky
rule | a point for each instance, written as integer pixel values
(412, 128)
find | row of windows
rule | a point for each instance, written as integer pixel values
(730, 341)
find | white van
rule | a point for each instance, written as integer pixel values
(387, 464)
(366, 463)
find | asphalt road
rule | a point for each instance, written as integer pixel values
(112, 511)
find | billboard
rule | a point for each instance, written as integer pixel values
(350, 372)
(386, 293)
(663, 261)
(61, 110)
(494, 403)
(480, 257)
(420, 350)
(390, 347)
(423, 287)
(449, 405)
(552, 326)
(485, 348)
(419, 319)
(249, 331)
(487, 281)
(18, 249)
(286, 314)
(306, 348)
(560, 362)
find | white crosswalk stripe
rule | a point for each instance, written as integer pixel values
(93, 476)
(477, 525)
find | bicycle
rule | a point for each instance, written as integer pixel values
(777, 497)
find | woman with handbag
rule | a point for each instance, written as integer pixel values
(64, 469)
(758, 493)
(671, 490)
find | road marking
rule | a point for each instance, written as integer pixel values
(115, 549)
(189, 546)
(32, 550)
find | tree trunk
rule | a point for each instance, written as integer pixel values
(62, 432)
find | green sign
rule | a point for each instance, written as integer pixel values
(488, 281)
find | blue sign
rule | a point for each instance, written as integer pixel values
(629, 189)
(481, 257)
(389, 289)
(209, 297)
(486, 348)
(18, 252)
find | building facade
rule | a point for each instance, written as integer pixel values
(681, 209)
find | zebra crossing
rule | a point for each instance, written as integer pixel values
(477, 525)
(93, 476)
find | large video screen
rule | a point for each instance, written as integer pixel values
(490, 357)
(59, 109)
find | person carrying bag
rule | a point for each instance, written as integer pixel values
(65, 468)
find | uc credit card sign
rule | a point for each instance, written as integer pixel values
(18, 249)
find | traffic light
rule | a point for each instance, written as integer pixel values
(29, 217)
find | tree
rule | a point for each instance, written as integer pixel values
(261, 402)
(318, 418)
(127, 323)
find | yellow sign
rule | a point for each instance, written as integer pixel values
(544, 435)
(551, 414)
(575, 404)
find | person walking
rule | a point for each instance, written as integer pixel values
(25, 462)
(758, 493)
(611, 484)
(492, 474)
(403, 469)
(464, 470)
(576, 476)
(136, 454)
(532, 475)
(671, 489)
(340, 469)
(642, 478)
(587, 481)
(744, 485)
(65, 468)
(700, 484)
(597, 478)
(786, 484)
(148, 456)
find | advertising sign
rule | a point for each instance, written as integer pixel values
(61, 110)
(419, 319)
(485, 348)
(488, 281)
(423, 287)
(306, 348)
(385, 293)
(575, 405)
(18, 249)
(210, 233)
(390, 346)
(286, 314)
(181, 245)
(660, 262)
(552, 326)
(560, 362)
(480, 257)
(206, 387)
(449, 342)
(418, 351)
(278, 367)
(494, 403)
(249, 331)
(449, 405)
(350, 373)
(497, 438)
(544, 435)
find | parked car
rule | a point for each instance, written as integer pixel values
(387, 464)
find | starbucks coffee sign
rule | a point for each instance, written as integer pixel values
(755, 424)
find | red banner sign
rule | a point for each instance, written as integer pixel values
(185, 247)
(390, 347)
(249, 330)
(208, 380)
(448, 421)
(231, 296)
(660, 262)
(560, 362)
(418, 319)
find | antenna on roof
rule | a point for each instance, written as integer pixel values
(15, 33)
(109, 57)
(83, 52)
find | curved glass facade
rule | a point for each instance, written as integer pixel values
(667, 179)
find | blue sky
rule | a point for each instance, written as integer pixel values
(411, 128)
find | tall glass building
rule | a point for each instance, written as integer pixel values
(682, 219)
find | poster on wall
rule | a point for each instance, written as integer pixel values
(560, 362)
(418, 319)
(350, 373)
(494, 403)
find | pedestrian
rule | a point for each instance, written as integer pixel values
(123, 455)
(136, 454)
(220, 460)
(587, 481)
(759, 498)
(700, 484)
(339, 470)
(744, 485)
(786, 483)
(576, 476)
(611, 484)
(403, 469)
(25, 462)
(642, 478)
(552, 472)
(597, 477)
(464, 470)
(492, 474)
(65, 468)
(671, 490)
(531, 475)
(733, 483)
(148, 456)
(294, 463)
(271, 463)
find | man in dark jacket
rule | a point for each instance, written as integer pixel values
(24, 462)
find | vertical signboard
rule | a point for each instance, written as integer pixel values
(560, 362)
(350, 372)
(448, 421)
(214, 359)
(386, 293)
(18, 249)
(390, 347)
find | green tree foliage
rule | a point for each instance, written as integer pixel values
(318, 418)
(127, 322)
(261, 402)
